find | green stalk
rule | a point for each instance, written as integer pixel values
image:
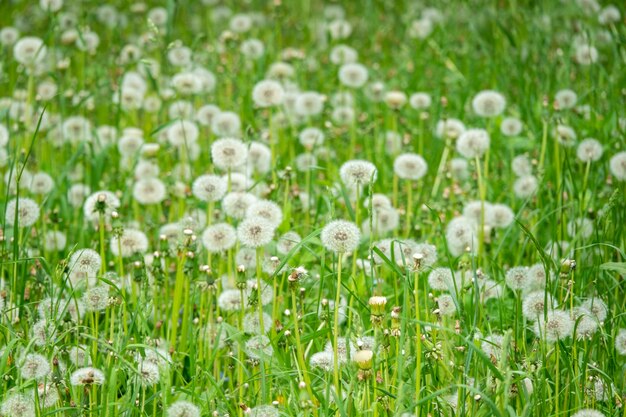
(336, 328)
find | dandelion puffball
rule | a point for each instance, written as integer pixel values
(340, 236)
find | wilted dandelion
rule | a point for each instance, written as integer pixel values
(87, 376)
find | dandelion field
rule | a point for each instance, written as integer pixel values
(295, 208)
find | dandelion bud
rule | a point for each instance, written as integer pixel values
(567, 266)
(364, 359)
(395, 321)
(377, 305)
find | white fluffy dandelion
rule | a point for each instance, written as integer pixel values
(357, 172)
(473, 143)
(18, 405)
(22, 211)
(130, 242)
(35, 366)
(340, 236)
(228, 153)
(219, 237)
(353, 75)
(268, 93)
(557, 325)
(209, 187)
(267, 210)
(149, 191)
(589, 150)
(183, 409)
(236, 204)
(410, 166)
(255, 232)
(29, 51)
(617, 165)
(488, 103)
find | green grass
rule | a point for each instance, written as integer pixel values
(164, 304)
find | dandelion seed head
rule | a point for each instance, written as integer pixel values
(491, 289)
(287, 242)
(357, 172)
(35, 366)
(268, 93)
(230, 300)
(566, 99)
(48, 394)
(343, 54)
(516, 278)
(492, 345)
(96, 298)
(148, 374)
(345, 349)
(206, 114)
(609, 14)
(565, 135)
(255, 232)
(557, 325)
(473, 143)
(511, 126)
(488, 103)
(149, 191)
(18, 405)
(183, 409)
(446, 305)
(79, 356)
(26, 209)
(525, 186)
(461, 235)
(449, 128)
(617, 166)
(130, 242)
(252, 325)
(41, 183)
(586, 323)
(259, 347)
(596, 307)
(534, 304)
(410, 166)
(588, 412)
(420, 101)
(353, 75)
(263, 411)
(586, 54)
(323, 360)
(252, 48)
(440, 279)
(266, 210)
(589, 150)
(309, 103)
(87, 376)
(43, 332)
(107, 199)
(228, 153)
(29, 51)
(219, 237)
(226, 123)
(340, 236)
